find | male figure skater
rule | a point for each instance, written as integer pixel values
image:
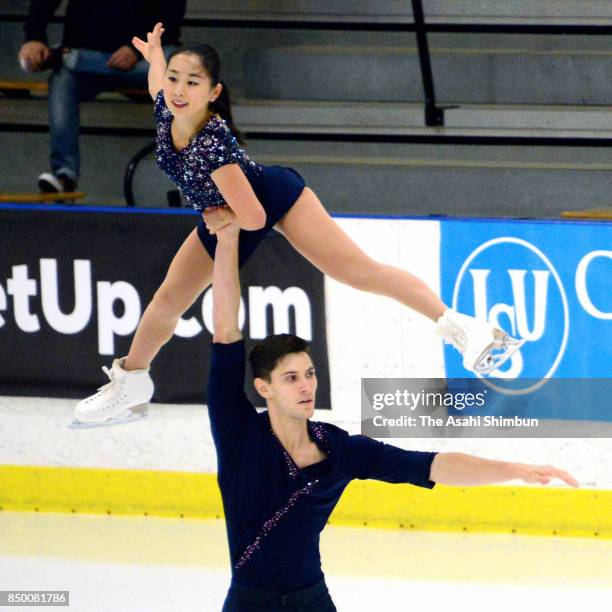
(281, 474)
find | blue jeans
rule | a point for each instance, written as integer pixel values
(82, 76)
(313, 599)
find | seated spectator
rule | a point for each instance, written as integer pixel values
(96, 55)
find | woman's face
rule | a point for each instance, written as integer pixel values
(187, 87)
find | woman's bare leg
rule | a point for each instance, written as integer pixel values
(313, 233)
(188, 275)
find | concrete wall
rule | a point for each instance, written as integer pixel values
(529, 73)
(360, 178)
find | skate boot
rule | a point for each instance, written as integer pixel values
(484, 347)
(125, 398)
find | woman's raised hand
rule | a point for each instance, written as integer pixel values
(153, 41)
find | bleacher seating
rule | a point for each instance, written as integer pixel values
(345, 106)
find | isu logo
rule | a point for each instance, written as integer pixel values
(512, 284)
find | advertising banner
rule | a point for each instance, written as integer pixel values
(549, 283)
(74, 282)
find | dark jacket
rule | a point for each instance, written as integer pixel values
(106, 25)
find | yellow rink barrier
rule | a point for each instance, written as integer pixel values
(495, 509)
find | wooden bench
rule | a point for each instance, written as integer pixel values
(34, 198)
(594, 213)
(25, 89)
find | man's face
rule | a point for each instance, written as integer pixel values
(292, 386)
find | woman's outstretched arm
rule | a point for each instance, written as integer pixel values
(154, 54)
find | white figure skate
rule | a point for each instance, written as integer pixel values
(484, 347)
(125, 398)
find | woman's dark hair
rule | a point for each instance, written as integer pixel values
(209, 58)
(266, 355)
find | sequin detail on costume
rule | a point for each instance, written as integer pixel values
(272, 522)
(291, 467)
(319, 433)
(190, 168)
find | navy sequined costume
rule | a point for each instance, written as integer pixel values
(275, 510)
(276, 187)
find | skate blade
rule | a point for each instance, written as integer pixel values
(489, 362)
(136, 413)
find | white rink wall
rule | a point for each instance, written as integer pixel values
(368, 336)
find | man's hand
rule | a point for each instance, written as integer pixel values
(124, 58)
(543, 474)
(228, 234)
(217, 218)
(461, 469)
(33, 55)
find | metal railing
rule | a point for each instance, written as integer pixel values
(433, 114)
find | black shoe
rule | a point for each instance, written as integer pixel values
(52, 183)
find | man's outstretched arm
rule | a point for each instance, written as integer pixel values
(463, 470)
(226, 286)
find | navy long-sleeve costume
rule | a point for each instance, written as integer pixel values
(276, 187)
(275, 511)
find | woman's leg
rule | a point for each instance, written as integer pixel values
(313, 233)
(189, 274)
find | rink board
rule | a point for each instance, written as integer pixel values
(498, 509)
(44, 470)
(66, 290)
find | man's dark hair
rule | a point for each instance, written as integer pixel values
(265, 356)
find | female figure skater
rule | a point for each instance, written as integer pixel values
(199, 148)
